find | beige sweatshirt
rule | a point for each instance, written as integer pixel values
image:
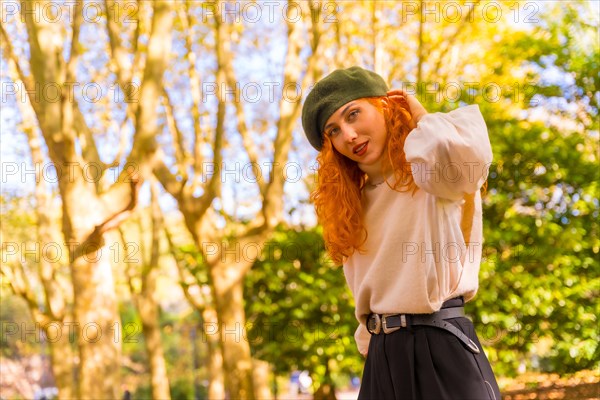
(425, 248)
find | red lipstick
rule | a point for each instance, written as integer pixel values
(361, 149)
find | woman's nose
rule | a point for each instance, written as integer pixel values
(349, 134)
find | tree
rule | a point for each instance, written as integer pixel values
(225, 249)
(540, 276)
(89, 209)
(142, 286)
(39, 279)
(300, 310)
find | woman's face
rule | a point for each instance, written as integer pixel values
(357, 131)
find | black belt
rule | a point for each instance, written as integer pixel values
(388, 323)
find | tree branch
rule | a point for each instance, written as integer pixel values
(29, 83)
(35, 52)
(167, 179)
(47, 67)
(188, 282)
(450, 41)
(181, 157)
(199, 137)
(149, 268)
(54, 299)
(288, 114)
(89, 150)
(146, 125)
(21, 287)
(225, 48)
(119, 55)
(143, 154)
(129, 273)
(70, 106)
(213, 188)
(72, 116)
(95, 240)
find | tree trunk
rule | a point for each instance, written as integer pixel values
(148, 305)
(216, 384)
(261, 379)
(61, 357)
(59, 342)
(158, 369)
(98, 326)
(236, 349)
(327, 389)
(95, 310)
(203, 303)
(325, 392)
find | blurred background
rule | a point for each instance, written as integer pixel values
(157, 237)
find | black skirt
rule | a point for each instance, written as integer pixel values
(427, 363)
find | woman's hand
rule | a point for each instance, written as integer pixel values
(415, 107)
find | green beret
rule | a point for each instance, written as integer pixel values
(330, 93)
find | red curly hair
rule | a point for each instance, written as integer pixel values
(337, 197)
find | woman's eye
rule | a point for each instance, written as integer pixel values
(353, 114)
(333, 132)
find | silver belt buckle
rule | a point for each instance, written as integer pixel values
(377, 328)
(387, 330)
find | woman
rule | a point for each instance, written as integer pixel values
(398, 196)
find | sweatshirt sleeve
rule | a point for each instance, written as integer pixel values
(362, 337)
(450, 153)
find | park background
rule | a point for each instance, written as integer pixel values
(157, 238)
